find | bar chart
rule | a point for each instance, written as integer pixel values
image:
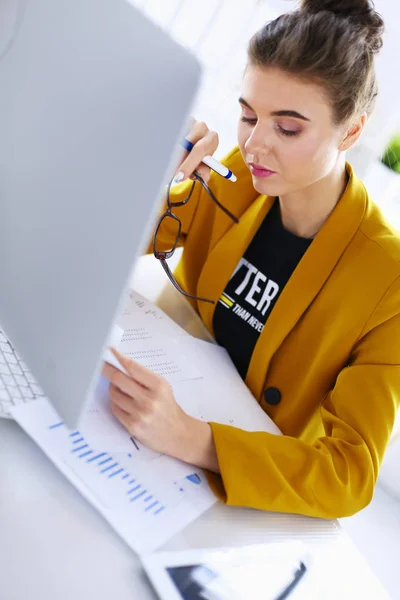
(115, 481)
(145, 497)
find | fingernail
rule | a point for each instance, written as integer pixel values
(179, 177)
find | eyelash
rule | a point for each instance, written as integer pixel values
(281, 130)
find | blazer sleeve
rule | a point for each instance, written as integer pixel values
(335, 476)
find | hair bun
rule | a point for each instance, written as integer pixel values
(362, 12)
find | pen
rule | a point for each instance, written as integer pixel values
(212, 163)
(297, 577)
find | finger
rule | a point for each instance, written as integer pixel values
(107, 371)
(137, 371)
(129, 404)
(110, 372)
(204, 171)
(197, 131)
(206, 145)
(126, 384)
(124, 418)
(183, 154)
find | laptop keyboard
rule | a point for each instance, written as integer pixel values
(17, 383)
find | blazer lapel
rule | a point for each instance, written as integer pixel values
(308, 278)
(225, 255)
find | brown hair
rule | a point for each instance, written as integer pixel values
(330, 42)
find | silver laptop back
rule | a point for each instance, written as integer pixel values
(93, 99)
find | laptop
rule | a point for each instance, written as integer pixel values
(94, 99)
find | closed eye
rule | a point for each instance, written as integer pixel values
(252, 121)
(287, 132)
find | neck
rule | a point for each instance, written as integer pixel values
(304, 212)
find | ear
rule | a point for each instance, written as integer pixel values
(353, 132)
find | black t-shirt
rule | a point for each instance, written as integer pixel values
(255, 286)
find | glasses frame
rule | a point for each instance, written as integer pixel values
(164, 256)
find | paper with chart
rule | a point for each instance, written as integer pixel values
(205, 384)
(147, 319)
(159, 354)
(221, 395)
(149, 336)
(146, 498)
(202, 376)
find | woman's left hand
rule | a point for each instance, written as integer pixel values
(144, 403)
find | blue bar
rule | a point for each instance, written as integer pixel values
(97, 456)
(126, 476)
(195, 478)
(159, 510)
(134, 489)
(56, 425)
(116, 473)
(103, 462)
(108, 468)
(86, 454)
(151, 506)
(138, 496)
(148, 498)
(132, 481)
(80, 448)
(74, 434)
(77, 441)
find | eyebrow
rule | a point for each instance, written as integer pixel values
(278, 113)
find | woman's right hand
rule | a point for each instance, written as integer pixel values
(205, 144)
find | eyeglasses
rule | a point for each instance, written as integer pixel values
(172, 221)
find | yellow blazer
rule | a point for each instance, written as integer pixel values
(331, 346)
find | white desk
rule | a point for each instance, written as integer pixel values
(54, 545)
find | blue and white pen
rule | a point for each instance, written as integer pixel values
(212, 163)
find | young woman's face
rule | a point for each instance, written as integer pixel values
(286, 130)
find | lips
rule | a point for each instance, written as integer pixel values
(260, 171)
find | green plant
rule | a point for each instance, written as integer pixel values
(391, 156)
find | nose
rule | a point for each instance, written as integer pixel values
(259, 141)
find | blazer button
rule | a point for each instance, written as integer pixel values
(272, 396)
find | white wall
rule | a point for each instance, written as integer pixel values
(386, 118)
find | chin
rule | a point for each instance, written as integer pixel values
(268, 187)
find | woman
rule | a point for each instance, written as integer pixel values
(308, 281)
